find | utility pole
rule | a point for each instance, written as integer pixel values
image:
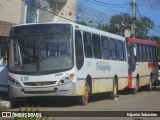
(133, 25)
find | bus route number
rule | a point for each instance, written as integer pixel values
(24, 78)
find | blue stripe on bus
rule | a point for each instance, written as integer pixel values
(4, 86)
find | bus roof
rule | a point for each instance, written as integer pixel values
(100, 32)
(80, 27)
(141, 41)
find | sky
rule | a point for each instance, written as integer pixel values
(103, 10)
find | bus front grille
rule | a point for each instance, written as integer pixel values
(39, 83)
(38, 92)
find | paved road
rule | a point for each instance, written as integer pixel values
(143, 101)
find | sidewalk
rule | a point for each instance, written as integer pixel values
(4, 102)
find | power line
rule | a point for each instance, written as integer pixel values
(111, 4)
(96, 13)
(150, 4)
(83, 5)
(139, 12)
(104, 5)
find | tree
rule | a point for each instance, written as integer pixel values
(119, 23)
(82, 23)
(143, 26)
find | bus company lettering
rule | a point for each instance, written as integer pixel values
(103, 66)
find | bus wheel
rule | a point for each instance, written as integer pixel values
(85, 98)
(149, 87)
(135, 90)
(113, 94)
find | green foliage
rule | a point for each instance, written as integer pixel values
(82, 23)
(124, 20)
(102, 27)
(32, 110)
(117, 23)
(143, 26)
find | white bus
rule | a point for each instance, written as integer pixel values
(65, 59)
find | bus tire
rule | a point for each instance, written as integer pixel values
(113, 94)
(149, 86)
(136, 88)
(85, 98)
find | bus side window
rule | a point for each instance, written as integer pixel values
(87, 45)
(79, 49)
(140, 53)
(105, 48)
(147, 50)
(120, 51)
(124, 51)
(154, 54)
(96, 46)
(144, 53)
(112, 47)
(151, 53)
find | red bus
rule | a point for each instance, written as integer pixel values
(143, 64)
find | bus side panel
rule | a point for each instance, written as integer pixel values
(105, 71)
(154, 67)
(106, 85)
(81, 76)
(144, 70)
(80, 87)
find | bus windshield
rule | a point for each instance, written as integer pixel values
(40, 52)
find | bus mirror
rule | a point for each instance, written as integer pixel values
(135, 51)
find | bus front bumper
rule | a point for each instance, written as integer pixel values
(61, 90)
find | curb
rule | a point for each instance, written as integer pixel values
(4, 104)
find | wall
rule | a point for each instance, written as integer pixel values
(69, 11)
(10, 12)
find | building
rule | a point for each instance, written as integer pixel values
(10, 12)
(49, 10)
(33, 11)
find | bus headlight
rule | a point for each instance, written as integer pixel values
(64, 80)
(14, 82)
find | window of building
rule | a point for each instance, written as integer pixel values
(105, 48)
(112, 47)
(96, 46)
(87, 45)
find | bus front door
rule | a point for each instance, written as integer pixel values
(132, 53)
